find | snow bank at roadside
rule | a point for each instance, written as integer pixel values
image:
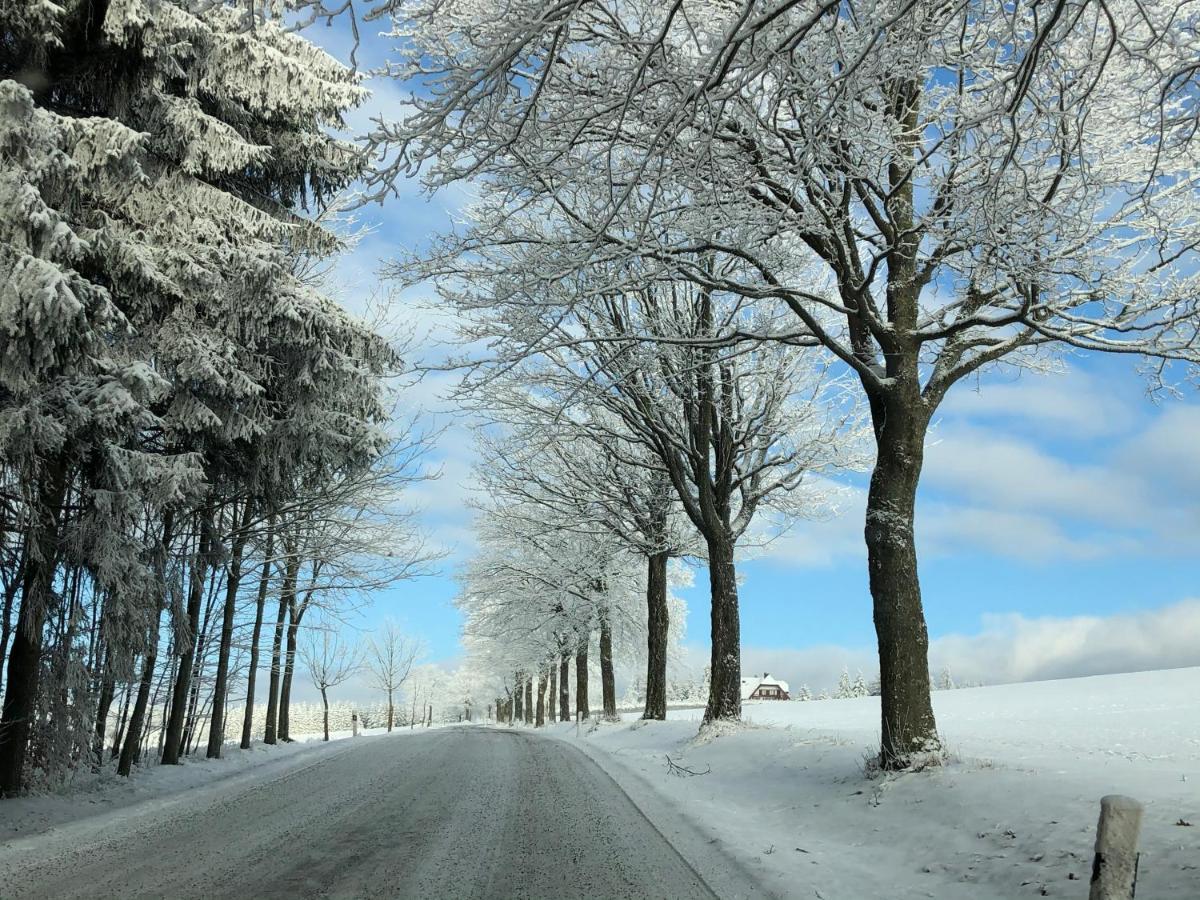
(92, 794)
(1012, 816)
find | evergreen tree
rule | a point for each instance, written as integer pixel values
(859, 689)
(845, 689)
(168, 372)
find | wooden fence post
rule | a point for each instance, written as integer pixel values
(1114, 869)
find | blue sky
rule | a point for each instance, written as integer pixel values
(1047, 499)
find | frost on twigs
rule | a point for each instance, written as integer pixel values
(166, 356)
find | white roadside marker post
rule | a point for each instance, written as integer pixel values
(1114, 869)
(354, 724)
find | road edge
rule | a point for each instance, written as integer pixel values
(45, 839)
(702, 848)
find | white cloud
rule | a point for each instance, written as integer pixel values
(1013, 647)
(1025, 497)
(1009, 647)
(825, 541)
(1077, 404)
(945, 528)
(1007, 473)
(444, 502)
(948, 529)
(1166, 451)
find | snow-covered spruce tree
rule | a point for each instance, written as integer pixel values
(859, 689)
(75, 404)
(981, 183)
(845, 689)
(158, 346)
(588, 475)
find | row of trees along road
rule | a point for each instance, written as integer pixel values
(926, 190)
(711, 236)
(660, 449)
(195, 448)
(387, 656)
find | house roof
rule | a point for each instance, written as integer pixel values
(754, 682)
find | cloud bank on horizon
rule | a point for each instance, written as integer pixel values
(1011, 647)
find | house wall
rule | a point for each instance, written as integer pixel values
(768, 693)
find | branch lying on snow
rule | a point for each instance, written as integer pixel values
(683, 771)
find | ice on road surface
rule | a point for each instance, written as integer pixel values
(457, 812)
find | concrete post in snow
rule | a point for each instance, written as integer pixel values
(1114, 869)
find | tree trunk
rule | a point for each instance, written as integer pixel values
(133, 730)
(529, 700)
(325, 704)
(25, 655)
(658, 623)
(285, 600)
(173, 743)
(541, 701)
(725, 684)
(289, 670)
(391, 711)
(564, 686)
(582, 708)
(553, 690)
(216, 725)
(518, 699)
(189, 723)
(121, 720)
(10, 592)
(608, 681)
(108, 689)
(908, 728)
(166, 678)
(252, 675)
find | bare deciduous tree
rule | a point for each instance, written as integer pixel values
(931, 189)
(389, 658)
(330, 662)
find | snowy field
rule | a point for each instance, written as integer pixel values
(1012, 816)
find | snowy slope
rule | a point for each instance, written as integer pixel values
(1013, 816)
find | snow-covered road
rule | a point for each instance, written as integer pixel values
(457, 812)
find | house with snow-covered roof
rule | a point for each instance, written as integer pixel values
(764, 688)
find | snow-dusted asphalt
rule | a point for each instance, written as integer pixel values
(454, 813)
